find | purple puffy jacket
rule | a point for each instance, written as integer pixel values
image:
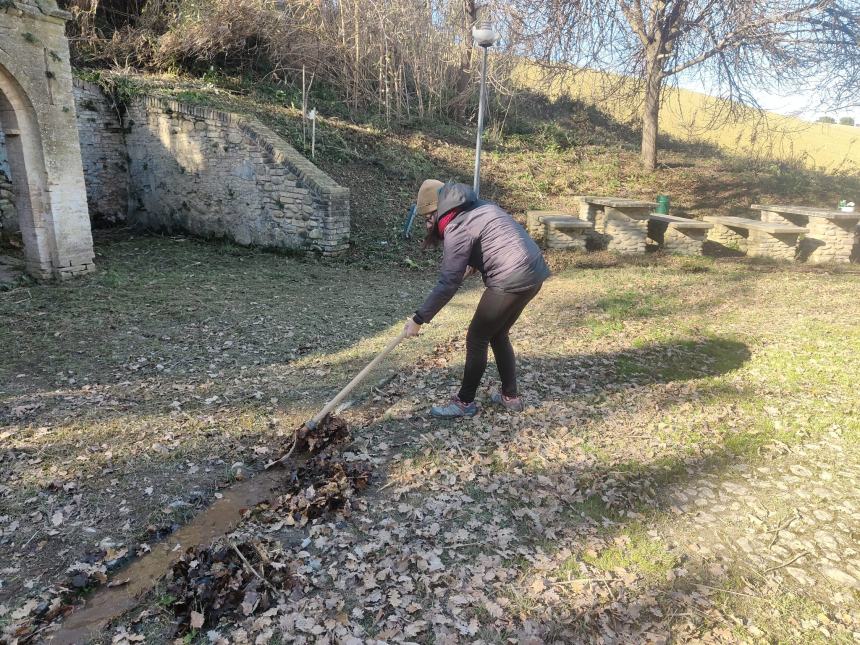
(487, 238)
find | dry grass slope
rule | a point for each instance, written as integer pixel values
(689, 116)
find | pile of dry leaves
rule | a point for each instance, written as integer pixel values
(324, 483)
(226, 578)
(330, 432)
(238, 577)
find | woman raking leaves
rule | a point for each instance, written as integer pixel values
(479, 236)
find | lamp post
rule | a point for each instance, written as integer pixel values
(483, 36)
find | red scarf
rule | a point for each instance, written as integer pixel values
(444, 221)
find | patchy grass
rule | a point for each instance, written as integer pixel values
(783, 617)
(636, 552)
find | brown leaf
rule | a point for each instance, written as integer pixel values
(197, 620)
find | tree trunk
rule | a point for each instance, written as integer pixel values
(651, 112)
(464, 76)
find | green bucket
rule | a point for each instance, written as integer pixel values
(663, 204)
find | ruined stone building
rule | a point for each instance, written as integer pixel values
(42, 190)
(69, 155)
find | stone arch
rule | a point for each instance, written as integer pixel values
(26, 162)
(37, 109)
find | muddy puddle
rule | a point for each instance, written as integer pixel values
(90, 619)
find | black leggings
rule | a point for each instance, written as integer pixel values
(496, 314)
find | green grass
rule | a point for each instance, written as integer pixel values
(621, 305)
(637, 553)
(593, 508)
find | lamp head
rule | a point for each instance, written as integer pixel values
(483, 34)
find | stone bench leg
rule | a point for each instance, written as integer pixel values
(728, 237)
(827, 240)
(684, 241)
(830, 240)
(657, 231)
(679, 241)
(570, 238)
(535, 227)
(625, 234)
(781, 246)
(596, 237)
(587, 211)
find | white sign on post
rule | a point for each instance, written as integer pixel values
(312, 115)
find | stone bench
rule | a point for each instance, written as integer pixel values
(833, 235)
(679, 235)
(620, 224)
(758, 239)
(557, 230)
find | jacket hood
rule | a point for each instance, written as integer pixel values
(452, 196)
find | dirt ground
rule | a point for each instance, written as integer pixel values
(684, 470)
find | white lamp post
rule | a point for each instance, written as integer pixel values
(483, 36)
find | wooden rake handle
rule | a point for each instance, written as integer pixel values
(340, 396)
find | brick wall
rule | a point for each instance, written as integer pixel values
(218, 174)
(103, 153)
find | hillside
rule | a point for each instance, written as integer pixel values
(688, 116)
(540, 153)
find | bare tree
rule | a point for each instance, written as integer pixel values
(735, 46)
(411, 58)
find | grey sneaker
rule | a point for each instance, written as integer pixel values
(512, 403)
(456, 408)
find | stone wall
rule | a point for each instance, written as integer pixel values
(218, 174)
(8, 214)
(103, 154)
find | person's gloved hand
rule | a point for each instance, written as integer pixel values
(412, 328)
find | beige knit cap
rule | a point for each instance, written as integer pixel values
(428, 196)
